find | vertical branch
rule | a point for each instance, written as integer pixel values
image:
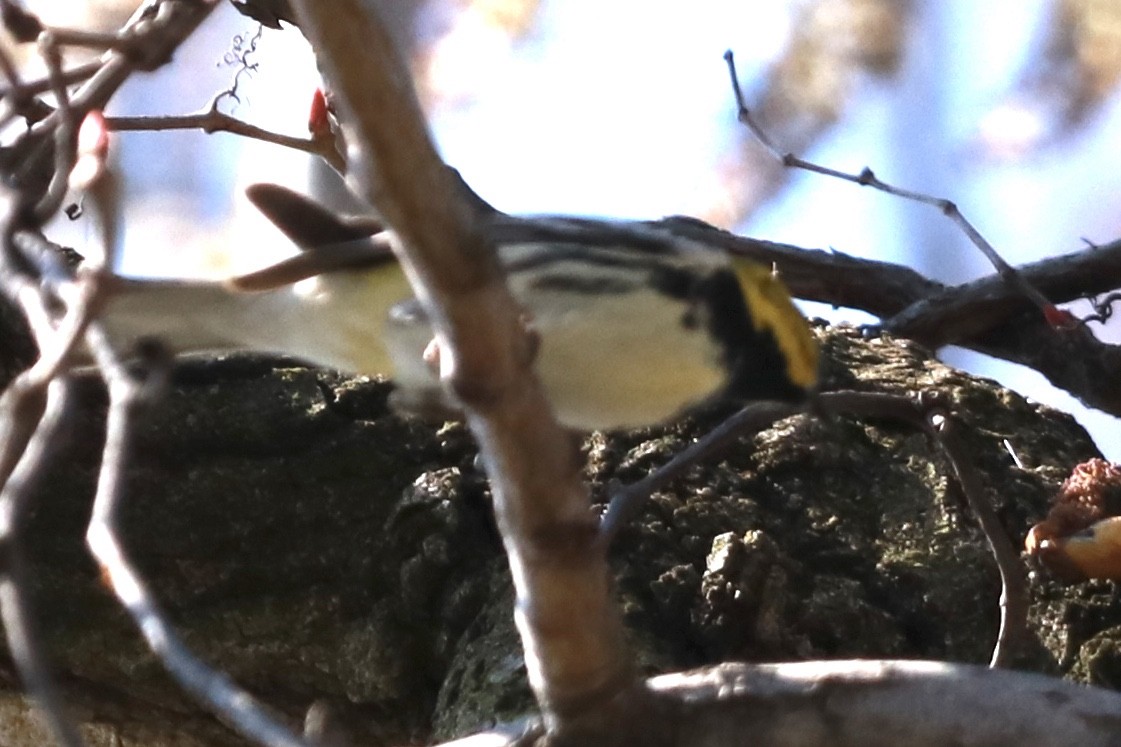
(31, 419)
(571, 630)
(211, 687)
(1013, 587)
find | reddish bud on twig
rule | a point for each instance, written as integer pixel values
(1059, 318)
(318, 121)
(93, 150)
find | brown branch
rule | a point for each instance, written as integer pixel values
(1013, 634)
(23, 89)
(860, 704)
(866, 178)
(30, 420)
(31, 413)
(970, 310)
(925, 413)
(209, 686)
(213, 120)
(577, 658)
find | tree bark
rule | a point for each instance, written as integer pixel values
(326, 552)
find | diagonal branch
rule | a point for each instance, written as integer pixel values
(572, 632)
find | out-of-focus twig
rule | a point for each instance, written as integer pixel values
(30, 422)
(57, 305)
(211, 687)
(69, 77)
(153, 32)
(1067, 78)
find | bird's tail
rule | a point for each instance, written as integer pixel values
(186, 317)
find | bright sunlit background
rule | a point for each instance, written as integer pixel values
(622, 108)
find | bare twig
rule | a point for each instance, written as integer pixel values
(24, 89)
(30, 420)
(214, 120)
(209, 686)
(164, 25)
(925, 413)
(867, 178)
(65, 134)
(627, 501)
(57, 309)
(8, 68)
(1013, 631)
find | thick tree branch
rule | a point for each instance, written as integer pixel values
(870, 703)
(865, 704)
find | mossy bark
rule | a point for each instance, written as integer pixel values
(326, 552)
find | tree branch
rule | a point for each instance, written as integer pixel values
(571, 630)
(864, 703)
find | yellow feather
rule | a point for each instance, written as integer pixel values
(773, 311)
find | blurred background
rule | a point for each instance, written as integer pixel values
(622, 108)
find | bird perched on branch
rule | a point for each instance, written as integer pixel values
(634, 329)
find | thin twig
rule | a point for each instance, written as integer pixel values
(579, 666)
(8, 68)
(214, 120)
(80, 72)
(43, 289)
(163, 31)
(1014, 591)
(65, 134)
(867, 178)
(82, 38)
(30, 420)
(924, 412)
(627, 501)
(208, 685)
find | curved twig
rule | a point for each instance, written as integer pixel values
(925, 412)
(210, 686)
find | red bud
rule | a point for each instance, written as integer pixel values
(318, 123)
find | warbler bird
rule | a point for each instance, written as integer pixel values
(633, 331)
